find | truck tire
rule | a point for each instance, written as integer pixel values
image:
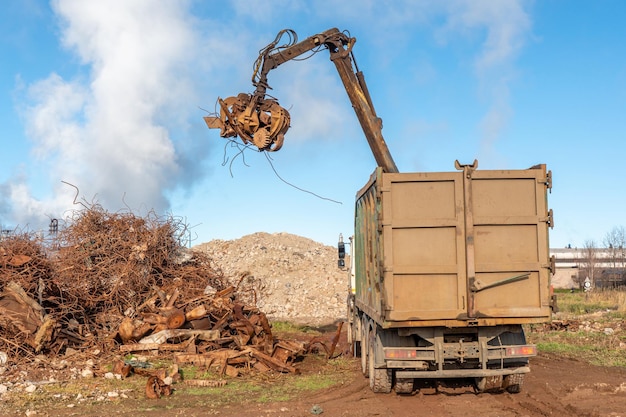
(364, 346)
(355, 346)
(513, 383)
(354, 329)
(380, 379)
(488, 384)
(403, 386)
(392, 338)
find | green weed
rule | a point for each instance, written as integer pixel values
(585, 303)
(589, 314)
(284, 327)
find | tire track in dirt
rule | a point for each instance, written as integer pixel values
(555, 387)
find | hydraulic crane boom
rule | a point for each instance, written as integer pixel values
(262, 121)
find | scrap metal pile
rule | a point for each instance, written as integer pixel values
(123, 284)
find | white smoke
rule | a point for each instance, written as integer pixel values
(108, 131)
(120, 130)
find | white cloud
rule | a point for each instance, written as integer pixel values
(505, 26)
(107, 131)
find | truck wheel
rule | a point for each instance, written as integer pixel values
(353, 330)
(480, 384)
(364, 346)
(380, 379)
(356, 349)
(489, 384)
(404, 386)
(513, 383)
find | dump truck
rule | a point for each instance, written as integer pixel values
(446, 268)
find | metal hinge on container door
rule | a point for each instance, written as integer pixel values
(552, 265)
(547, 181)
(550, 219)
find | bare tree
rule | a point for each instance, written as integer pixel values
(615, 242)
(588, 263)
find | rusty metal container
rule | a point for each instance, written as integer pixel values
(461, 248)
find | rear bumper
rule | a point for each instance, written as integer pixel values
(462, 373)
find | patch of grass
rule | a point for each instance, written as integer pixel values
(584, 303)
(235, 391)
(194, 372)
(84, 393)
(288, 327)
(294, 387)
(614, 298)
(557, 348)
(616, 315)
(586, 340)
(281, 388)
(588, 314)
(602, 354)
(314, 383)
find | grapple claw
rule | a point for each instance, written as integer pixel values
(262, 122)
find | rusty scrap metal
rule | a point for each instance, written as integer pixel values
(328, 345)
(260, 121)
(116, 281)
(253, 117)
(235, 335)
(122, 368)
(103, 271)
(23, 261)
(156, 388)
(22, 313)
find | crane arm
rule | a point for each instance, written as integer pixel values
(262, 121)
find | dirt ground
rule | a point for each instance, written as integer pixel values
(285, 267)
(556, 386)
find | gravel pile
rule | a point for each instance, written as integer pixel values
(294, 278)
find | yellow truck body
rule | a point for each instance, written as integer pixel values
(451, 262)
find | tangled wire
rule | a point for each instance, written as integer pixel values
(99, 269)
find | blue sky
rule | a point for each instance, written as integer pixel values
(109, 96)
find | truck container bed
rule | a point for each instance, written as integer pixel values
(464, 248)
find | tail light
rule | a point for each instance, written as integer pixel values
(525, 350)
(399, 354)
